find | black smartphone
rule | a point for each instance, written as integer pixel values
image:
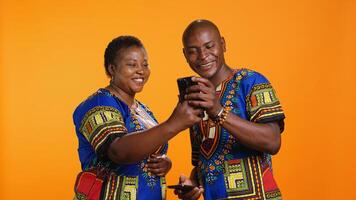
(183, 84)
(184, 188)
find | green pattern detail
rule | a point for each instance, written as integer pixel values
(129, 188)
(98, 116)
(241, 184)
(79, 196)
(163, 188)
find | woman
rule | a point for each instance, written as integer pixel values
(117, 131)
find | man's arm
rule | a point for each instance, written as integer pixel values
(263, 137)
(260, 137)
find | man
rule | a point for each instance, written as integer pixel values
(233, 144)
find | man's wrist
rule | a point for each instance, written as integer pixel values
(216, 112)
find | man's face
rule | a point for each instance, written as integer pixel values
(204, 51)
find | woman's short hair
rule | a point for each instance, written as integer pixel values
(116, 45)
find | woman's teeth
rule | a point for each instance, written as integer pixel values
(139, 80)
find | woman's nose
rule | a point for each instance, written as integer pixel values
(140, 69)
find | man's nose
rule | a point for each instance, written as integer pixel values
(203, 54)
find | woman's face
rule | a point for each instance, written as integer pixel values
(130, 70)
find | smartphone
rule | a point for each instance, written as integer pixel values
(184, 188)
(183, 84)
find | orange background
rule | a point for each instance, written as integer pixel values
(51, 56)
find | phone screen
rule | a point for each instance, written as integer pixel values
(183, 84)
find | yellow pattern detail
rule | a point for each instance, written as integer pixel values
(267, 97)
(98, 119)
(130, 192)
(129, 188)
(94, 118)
(233, 178)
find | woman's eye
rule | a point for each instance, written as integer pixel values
(192, 51)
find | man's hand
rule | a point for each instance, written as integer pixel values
(203, 95)
(188, 195)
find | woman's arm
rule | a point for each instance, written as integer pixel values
(134, 147)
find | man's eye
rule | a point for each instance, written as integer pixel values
(209, 46)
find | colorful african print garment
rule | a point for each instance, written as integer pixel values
(226, 168)
(98, 121)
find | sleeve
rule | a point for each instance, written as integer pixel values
(262, 103)
(100, 126)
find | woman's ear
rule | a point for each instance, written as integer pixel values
(111, 69)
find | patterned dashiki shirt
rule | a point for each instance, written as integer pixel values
(98, 121)
(226, 168)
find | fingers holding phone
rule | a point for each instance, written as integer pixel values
(183, 85)
(203, 94)
(186, 189)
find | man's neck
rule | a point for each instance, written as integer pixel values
(221, 75)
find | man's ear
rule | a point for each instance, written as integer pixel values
(223, 44)
(185, 54)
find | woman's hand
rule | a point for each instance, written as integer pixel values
(184, 116)
(203, 95)
(188, 195)
(158, 165)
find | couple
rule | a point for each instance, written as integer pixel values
(231, 145)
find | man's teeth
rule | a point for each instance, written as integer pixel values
(205, 65)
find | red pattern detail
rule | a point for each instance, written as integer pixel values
(89, 185)
(268, 180)
(253, 100)
(105, 133)
(209, 145)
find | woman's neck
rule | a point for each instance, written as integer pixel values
(123, 96)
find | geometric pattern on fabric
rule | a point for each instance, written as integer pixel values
(243, 178)
(120, 188)
(211, 136)
(246, 179)
(211, 132)
(215, 144)
(262, 103)
(100, 123)
(130, 188)
(112, 188)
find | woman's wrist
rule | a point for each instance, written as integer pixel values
(170, 127)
